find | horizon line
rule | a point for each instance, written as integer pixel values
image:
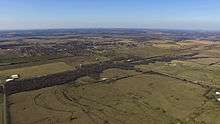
(33, 29)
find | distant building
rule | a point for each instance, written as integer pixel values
(103, 79)
(217, 93)
(15, 76)
(12, 77)
(7, 80)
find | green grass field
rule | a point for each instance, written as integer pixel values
(181, 92)
(40, 70)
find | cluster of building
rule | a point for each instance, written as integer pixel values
(218, 96)
(12, 77)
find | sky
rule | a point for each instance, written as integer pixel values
(159, 14)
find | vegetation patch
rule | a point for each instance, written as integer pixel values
(35, 71)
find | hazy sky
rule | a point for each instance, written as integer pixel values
(175, 14)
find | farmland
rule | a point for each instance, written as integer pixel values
(40, 70)
(140, 97)
(112, 79)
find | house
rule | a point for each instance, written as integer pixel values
(217, 93)
(15, 76)
(8, 80)
(104, 79)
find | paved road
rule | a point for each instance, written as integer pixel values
(5, 111)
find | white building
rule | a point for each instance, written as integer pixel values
(15, 76)
(104, 79)
(217, 93)
(7, 80)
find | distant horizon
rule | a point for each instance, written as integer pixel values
(152, 14)
(93, 28)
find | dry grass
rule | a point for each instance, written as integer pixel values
(40, 70)
(127, 96)
(139, 99)
(167, 46)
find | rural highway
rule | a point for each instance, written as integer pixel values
(5, 111)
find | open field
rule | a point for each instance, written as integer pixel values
(136, 99)
(157, 84)
(40, 70)
(1, 108)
